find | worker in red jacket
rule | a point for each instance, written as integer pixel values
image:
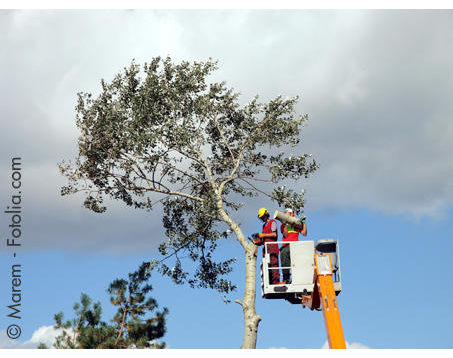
(269, 234)
(290, 233)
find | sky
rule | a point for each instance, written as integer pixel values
(377, 87)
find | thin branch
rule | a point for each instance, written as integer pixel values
(170, 192)
(254, 187)
(224, 140)
(120, 333)
(208, 169)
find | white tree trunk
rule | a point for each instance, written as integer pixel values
(251, 319)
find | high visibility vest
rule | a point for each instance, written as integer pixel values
(267, 230)
(293, 233)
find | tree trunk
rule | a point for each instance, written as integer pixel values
(251, 319)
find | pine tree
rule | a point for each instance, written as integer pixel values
(132, 327)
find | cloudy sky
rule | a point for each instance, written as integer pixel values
(377, 88)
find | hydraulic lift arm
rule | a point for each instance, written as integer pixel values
(324, 295)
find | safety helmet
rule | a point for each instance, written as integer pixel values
(262, 212)
(289, 210)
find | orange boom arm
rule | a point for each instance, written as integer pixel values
(324, 295)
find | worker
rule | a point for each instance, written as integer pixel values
(290, 233)
(269, 234)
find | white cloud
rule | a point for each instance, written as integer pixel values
(44, 334)
(381, 126)
(353, 345)
(376, 85)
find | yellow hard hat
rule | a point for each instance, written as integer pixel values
(262, 211)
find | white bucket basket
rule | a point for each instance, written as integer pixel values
(302, 269)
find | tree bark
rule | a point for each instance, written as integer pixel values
(251, 318)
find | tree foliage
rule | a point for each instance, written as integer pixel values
(164, 130)
(132, 326)
(162, 133)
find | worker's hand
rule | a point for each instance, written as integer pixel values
(255, 236)
(303, 219)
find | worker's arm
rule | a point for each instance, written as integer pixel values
(304, 228)
(284, 230)
(273, 234)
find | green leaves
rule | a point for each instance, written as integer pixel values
(289, 198)
(162, 133)
(133, 326)
(291, 167)
(131, 297)
(191, 230)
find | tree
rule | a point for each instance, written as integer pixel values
(130, 329)
(165, 135)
